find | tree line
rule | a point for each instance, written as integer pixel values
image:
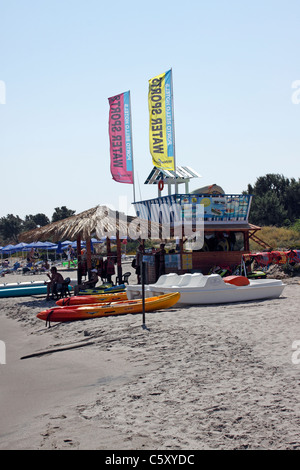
(12, 225)
(276, 202)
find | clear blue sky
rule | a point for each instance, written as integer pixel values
(233, 67)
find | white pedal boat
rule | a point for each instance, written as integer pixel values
(209, 289)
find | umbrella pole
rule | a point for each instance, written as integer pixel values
(78, 260)
(88, 256)
(143, 269)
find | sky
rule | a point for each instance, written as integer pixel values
(236, 113)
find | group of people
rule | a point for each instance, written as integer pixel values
(160, 267)
(56, 281)
(106, 268)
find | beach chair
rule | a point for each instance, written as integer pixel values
(15, 268)
(123, 279)
(62, 290)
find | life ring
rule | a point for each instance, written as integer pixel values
(161, 185)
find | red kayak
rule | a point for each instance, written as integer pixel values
(92, 299)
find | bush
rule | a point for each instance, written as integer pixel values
(279, 238)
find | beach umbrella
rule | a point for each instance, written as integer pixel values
(21, 246)
(66, 242)
(51, 246)
(8, 249)
(37, 245)
(59, 249)
(95, 240)
(100, 221)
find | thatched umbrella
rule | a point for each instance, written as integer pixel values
(100, 221)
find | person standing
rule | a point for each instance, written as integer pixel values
(161, 258)
(70, 254)
(138, 263)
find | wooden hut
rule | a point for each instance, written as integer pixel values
(226, 230)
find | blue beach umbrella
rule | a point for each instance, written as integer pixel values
(59, 249)
(8, 249)
(21, 246)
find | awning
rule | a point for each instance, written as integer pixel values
(182, 173)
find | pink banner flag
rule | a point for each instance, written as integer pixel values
(121, 161)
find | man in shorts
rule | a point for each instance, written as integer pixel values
(55, 282)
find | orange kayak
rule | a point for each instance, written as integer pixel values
(92, 299)
(84, 312)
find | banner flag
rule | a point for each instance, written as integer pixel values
(161, 126)
(120, 137)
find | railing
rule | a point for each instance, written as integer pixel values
(221, 208)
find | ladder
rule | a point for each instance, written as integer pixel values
(258, 240)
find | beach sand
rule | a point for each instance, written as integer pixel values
(201, 377)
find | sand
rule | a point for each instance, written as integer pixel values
(207, 377)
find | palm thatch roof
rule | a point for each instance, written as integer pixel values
(100, 221)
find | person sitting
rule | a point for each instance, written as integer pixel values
(55, 282)
(27, 268)
(45, 265)
(90, 284)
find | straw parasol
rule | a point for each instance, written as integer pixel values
(100, 221)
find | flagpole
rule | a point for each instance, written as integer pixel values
(132, 148)
(173, 130)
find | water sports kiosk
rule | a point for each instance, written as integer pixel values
(225, 229)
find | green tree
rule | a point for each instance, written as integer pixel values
(10, 228)
(276, 200)
(61, 213)
(33, 221)
(28, 223)
(267, 210)
(41, 219)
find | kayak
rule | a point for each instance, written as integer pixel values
(85, 312)
(23, 291)
(13, 285)
(92, 299)
(102, 289)
(257, 275)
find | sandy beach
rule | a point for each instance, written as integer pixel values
(202, 377)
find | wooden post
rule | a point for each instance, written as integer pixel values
(79, 271)
(88, 256)
(119, 259)
(108, 246)
(246, 241)
(181, 252)
(143, 275)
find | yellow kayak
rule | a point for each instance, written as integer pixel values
(84, 312)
